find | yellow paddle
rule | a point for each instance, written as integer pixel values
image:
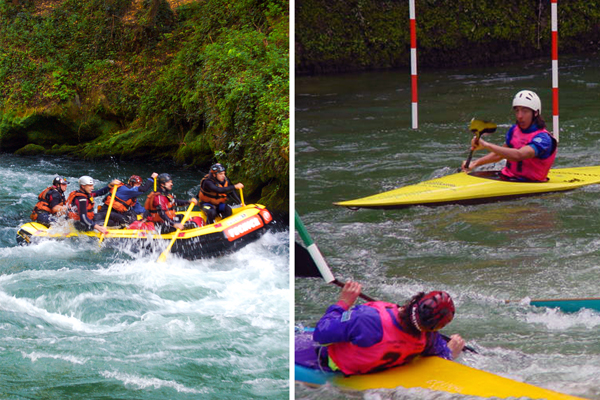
(242, 197)
(163, 255)
(478, 128)
(112, 200)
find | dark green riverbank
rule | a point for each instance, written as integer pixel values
(373, 34)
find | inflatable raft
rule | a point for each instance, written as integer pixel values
(245, 225)
(475, 187)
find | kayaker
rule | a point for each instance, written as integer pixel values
(161, 206)
(529, 149)
(125, 207)
(51, 203)
(80, 204)
(378, 335)
(215, 188)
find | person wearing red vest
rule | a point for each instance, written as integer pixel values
(51, 203)
(161, 206)
(215, 188)
(125, 206)
(80, 204)
(375, 336)
(529, 149)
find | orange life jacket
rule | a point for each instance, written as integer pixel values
(43, 203)
(73, 211)
(211, 197)
(120, 205)
(153, 200)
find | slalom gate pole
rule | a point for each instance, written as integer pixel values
(555, 129)
(413, 63)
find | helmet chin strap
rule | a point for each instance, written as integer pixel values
(413, 318)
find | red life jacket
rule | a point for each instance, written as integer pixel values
(119, 204)
(532, 169)
(73, 210)
(395, 348)
(43, 203)
(211, 197)
(167, 203)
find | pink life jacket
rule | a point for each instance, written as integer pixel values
(395, 348)
(532, 169)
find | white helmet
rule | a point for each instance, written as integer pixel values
(527, 98)
(86, 180)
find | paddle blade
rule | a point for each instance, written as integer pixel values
(304, 265)
(480, 127)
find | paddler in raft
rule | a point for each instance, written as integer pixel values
(529, 149)
(215, 188)
(51, 203)
(161, 207)
(80, 204)
(375, 336)
(125, 207)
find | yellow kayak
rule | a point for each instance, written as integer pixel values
(436, 374)
(475, 187)
(246, 224)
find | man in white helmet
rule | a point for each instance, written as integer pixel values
(81, 204)
(529, 149)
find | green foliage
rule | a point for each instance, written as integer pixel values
(365, 34)
(206, 81)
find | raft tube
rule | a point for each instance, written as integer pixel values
(475, 188)
(245, 225)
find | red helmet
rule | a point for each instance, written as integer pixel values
(135, 180)
(433, 311)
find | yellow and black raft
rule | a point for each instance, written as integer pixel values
(245, 225)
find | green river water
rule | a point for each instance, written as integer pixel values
(353, 138)
(82, 322)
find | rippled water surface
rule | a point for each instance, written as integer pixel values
(82, 322)
(353, 139)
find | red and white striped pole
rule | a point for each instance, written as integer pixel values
(413, 63)
(555, 130)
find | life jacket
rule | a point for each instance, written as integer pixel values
(166, 201)
(211, 197)
(533, 169)
(120, 205)
(43, 203)
(395, 348)
(73, 210)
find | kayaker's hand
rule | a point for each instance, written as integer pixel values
(101, 229)
(477, 143)
(472, 166)
(178, 225)
(350, 293)
(154, 175)
(456, 345)
(193, 200)
(238, 186)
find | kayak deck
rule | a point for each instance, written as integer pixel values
(473, 188)
(436, 374)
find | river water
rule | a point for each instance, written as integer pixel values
(353, 138)
(80, 322)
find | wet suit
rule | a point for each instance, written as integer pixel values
(53, 198)
(214, 207)
(125, 193)
(81, 206)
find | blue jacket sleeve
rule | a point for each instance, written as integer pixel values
(543, 145)
(437, 346)
(359, 325)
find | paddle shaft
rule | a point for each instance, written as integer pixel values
(112, 200)
(477, 135)
(328, 275)
(163, 255)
